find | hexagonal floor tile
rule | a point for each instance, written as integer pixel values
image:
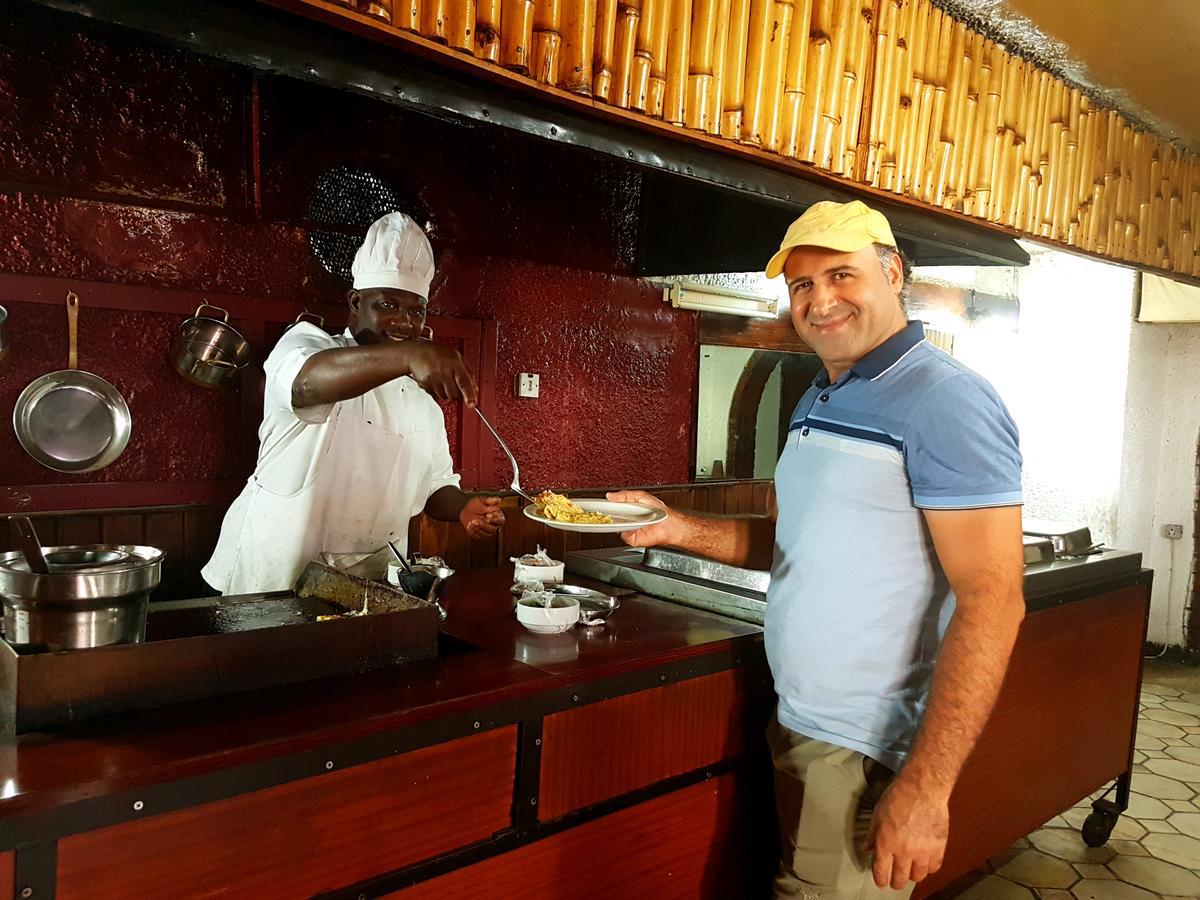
(1186, 823)
(1158, 729)
(1148, 741)
(1156, 875)
(993, 887)
(1069, 845)
(1170, 716)
(1192, 709)
(1180, 849)
(1142, 807)
(1161, 786)
(1181, 805)
(1159, 826)
(1034, 869)
(1092, 870)
(1110, 890)
(1187, 753)
(1128, 848)
(1127, 828)
(1175, 768)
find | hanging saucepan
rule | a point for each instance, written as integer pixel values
(72, 421)
(305, 315)
(208, 352)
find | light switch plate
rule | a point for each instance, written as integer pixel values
(528, 384)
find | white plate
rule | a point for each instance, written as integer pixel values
(625, 516)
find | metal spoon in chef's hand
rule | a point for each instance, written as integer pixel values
(516, 482)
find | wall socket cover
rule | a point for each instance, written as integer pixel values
(528, 384)
(1174, 532)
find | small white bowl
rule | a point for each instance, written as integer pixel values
(545, 574)
(561, 615)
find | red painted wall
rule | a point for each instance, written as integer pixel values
(130, 164)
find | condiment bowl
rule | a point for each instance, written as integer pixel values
(561, 615)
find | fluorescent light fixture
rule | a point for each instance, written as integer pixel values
(704, 297)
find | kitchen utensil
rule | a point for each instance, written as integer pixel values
(1037, 549)
(3, 342)
(72, 421)
(90, 602)
(31, 546)
(209, 352)
(305, 315)
(516, 480)
(1068, 540)
(400, 557)
(625, 517)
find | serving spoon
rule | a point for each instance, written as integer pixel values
(516, 480)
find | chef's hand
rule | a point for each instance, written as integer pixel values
(907, 834)
(669, 531)
(439, 370)
(482, 517)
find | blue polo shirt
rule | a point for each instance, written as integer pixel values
(858, 602)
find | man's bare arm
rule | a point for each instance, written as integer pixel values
(981, 553)
(736, 540)
(344, 372)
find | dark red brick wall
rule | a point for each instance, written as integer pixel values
(125, 163)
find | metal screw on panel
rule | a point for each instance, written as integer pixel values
(553, 130)
(311, 69)
(662, 677)
(533, 801)
(486, 112)
(476, 726)
(138, 805)
(26, 892)
(689, 170)
(575, 698)
(537, 742)
(329, 764)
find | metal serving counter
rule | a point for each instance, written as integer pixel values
(741, 593)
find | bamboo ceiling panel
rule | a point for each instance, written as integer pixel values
(890, 93)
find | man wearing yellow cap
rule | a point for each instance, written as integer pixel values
(353, 443)
(896, 569)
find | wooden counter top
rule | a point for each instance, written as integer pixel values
(486, 658)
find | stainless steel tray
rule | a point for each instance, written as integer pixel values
(1037, 549)
(1067, 539)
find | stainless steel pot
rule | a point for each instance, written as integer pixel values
(95, 594)
(208, 352)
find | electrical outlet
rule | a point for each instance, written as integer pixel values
(528, 384)
(1174, 532)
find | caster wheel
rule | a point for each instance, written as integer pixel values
(1097, 827)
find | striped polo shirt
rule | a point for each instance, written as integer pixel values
(858, 602)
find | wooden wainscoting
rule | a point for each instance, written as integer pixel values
(188, 533)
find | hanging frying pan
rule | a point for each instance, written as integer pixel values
(72, 421)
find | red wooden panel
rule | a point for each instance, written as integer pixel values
(123, 528)
(80, 529)
(201, 527)
(641, 738)
(7, 874)
(688, 844)
(1063, 726)
(307, 836)
(164, 530)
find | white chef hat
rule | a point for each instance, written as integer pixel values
(395, 254)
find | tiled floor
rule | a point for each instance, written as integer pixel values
(1154, 852)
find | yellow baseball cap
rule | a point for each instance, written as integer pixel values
(836, 226)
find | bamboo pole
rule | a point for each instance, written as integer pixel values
(604, 53)
(698, 106)
(854, 79)
(734, 82)
(877, 115)
(931, 184)
(406, 14)
(433, 19)
(843, 11)
(815, 74)
(970, 128)
(918, 162)
(991, 131)
(643, 57)
(516, 34)
(678, 48)
(720, 48)
(658, 59)
(916, 31)
(780, 43)
(951, 138)
(758, 38)
(460, 25)
(547, 40)
(629, 14)
(579, 41)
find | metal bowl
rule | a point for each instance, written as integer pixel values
(95, 594)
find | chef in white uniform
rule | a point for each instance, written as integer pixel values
(353, 443)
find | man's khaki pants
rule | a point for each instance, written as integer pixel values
(824, 795)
